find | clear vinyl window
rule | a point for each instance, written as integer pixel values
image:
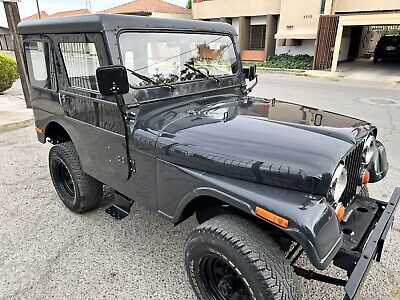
(81, 62)
(39, 58)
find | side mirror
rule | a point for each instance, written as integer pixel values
(250, 73)
(112, 80)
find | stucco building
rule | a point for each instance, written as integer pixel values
(6, 42)
(268, 27)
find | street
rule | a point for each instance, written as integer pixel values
(47, 251)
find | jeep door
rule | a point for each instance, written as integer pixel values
(95, 121)
(39, 59)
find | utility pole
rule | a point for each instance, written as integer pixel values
(13, 18)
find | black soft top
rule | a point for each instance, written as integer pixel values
(111, 22)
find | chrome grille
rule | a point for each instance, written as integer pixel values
(353, 164)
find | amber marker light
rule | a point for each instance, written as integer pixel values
(340, 212)
(366, 177)
(265, 214)
(39, 130)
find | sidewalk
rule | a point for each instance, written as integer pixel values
(13, 112)
(361, 69)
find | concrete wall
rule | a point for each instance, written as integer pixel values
(235, 24)
(259, 20)
(234, 8)
(171, 16)
(299, 19)
(307, 47)
(345, 44)
(365, 5)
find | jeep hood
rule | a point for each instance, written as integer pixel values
(266, 141)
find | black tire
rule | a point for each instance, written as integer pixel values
(76, 189)
(254, 266)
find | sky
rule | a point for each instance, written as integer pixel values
(28, 7)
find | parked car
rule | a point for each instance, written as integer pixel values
(388, 48)
(160, 111)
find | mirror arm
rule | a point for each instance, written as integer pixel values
(250, 89)
(123, 109)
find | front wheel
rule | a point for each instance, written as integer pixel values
(76, 189)
(229, 257)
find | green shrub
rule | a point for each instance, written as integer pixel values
(286, 61)
(8, 72)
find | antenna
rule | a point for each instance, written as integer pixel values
(88, 5)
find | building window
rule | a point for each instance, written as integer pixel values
(40, 65)
(81, 62)
(257, 37)
(323, 3)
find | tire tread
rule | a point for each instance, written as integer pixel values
(90, 190)
(258, 249)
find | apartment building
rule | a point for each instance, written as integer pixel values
(6, 42)
(268, 27)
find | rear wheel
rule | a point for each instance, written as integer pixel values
(229, 257)
(76, 189)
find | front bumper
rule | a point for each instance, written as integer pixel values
(365, 233)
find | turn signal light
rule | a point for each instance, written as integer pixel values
(265, 214)
(340, 212)
(39, 130)
(365, 177)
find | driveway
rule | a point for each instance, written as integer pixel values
(47, 251)
(366, 69)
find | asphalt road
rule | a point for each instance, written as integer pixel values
(47, 251)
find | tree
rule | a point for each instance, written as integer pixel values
(189, 4)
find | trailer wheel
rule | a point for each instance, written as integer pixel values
(76, 189)
(229, 257)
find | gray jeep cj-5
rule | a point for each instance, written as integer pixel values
(159, 111)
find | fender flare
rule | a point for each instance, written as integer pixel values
(312, 221)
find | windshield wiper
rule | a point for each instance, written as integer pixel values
(208, 76)
(149, 80)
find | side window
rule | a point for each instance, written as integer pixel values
(40, 65)
(81, 62)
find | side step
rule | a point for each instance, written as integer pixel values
(121, 208)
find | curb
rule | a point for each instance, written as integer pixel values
(282, 70)
(296, 72)
(16, 125)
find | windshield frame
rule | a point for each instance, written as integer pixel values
(182, 31)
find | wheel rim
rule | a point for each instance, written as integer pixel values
(64, 177)
(221, 280)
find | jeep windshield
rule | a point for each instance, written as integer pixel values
(176, 57)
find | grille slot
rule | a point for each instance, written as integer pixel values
(353, 163)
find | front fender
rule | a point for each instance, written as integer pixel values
(312, 221)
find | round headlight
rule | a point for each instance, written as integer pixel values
(368, 150)
(339, 182)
